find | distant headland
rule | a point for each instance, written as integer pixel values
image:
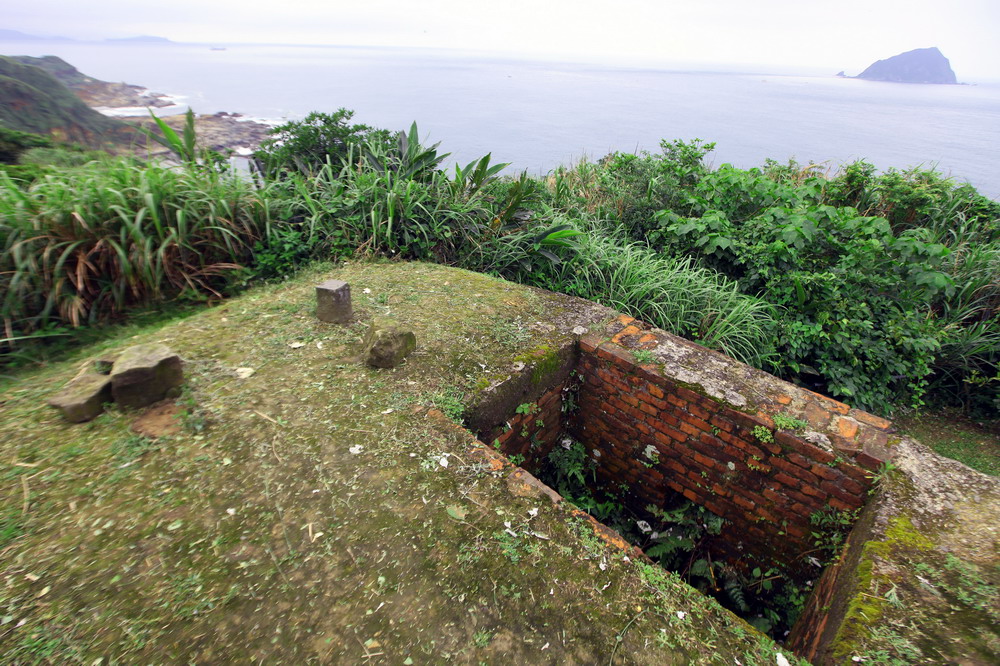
(917, 66)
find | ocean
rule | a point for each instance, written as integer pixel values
(539, 115)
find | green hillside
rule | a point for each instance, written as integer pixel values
(33, 100)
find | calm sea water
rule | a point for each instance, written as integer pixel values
(538, 115)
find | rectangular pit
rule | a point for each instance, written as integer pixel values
(670, 418)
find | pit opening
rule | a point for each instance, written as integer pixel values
(744, 485)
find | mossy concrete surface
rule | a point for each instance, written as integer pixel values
(920, 580)
(309, 511)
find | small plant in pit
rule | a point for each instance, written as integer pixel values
(644, 356)
(785, 422)
(679, 537)
(832, 527)
(763, 434)
(885, 469)
(449, 401)
(527, 408)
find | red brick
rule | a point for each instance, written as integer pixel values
(673, 399)
(690, 495)
(673, 464)
(699, 424)
(844, 445)
(840, 506)
(805, 476)
(720, 490)
(697, 411)
(648, 409)
(722, 423)
(716, 507)
(705, 461)
(654, 401)
(656, 391)
(743, 502)
(689, 395)
(853, 487)
(796, 531)
(690, 429)
(825, 472)
(870, 463)
(588, 343)
(774, 497)
(856, 473)
(839, 493)
(786, 480)
(813, 491)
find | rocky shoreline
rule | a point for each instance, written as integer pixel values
(223, 132)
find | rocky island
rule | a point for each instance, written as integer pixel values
(917, 66)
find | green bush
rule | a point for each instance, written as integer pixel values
(304, 146)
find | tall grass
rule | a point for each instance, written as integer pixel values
(673, 293)
(82, 245)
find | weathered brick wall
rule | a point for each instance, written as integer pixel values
(533, 433)
(649, 429)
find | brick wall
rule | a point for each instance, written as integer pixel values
(662, 435)
(533, 433)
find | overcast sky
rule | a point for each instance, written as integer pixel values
(844, 34)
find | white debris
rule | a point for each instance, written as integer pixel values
(781, 660)
(243, 373)
(356, 449)
(296, 345)
(444, 461)
(681, 615)
(533, 512)
(231, 512)
(643, 526)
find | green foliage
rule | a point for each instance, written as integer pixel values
(185, 146)
(763, 434)
(304, 146)
(785, 422)
(886, 283)
(832, 527)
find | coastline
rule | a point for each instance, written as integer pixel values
(222, 131)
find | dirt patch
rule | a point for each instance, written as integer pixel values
(160, 420)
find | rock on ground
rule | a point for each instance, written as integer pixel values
(145, 374)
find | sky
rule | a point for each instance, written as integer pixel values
(843, 35)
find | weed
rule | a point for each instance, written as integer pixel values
(785, 422)
(644, 356)
(763, 434)
(130, 448)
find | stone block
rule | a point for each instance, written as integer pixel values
(83, 397)
(333, 302)
(388, 344)
(144, 374)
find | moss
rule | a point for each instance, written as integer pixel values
(866, 608)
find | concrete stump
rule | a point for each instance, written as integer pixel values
(83, 398)
(333, 302)
(144, 374)
(388, 344)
